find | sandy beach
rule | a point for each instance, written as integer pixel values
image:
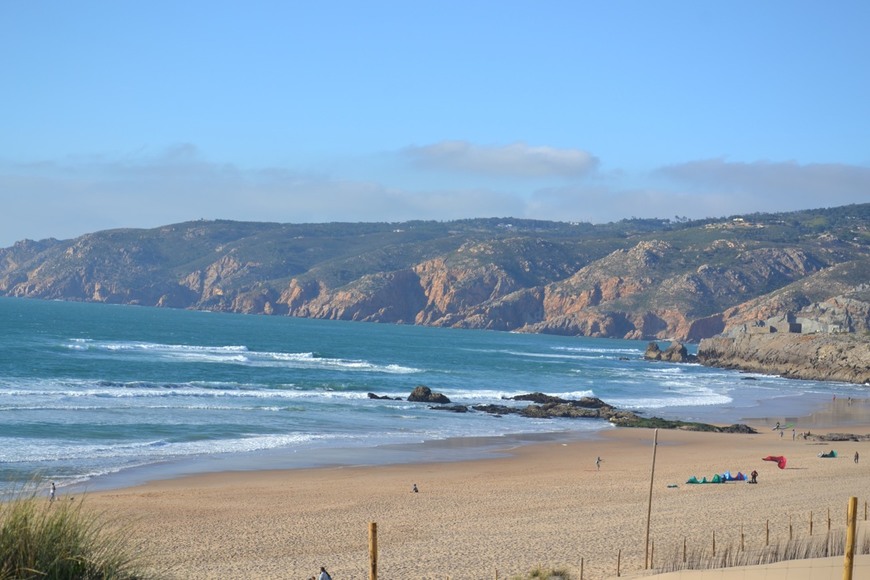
(543, 504)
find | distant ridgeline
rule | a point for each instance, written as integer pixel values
(638, 279)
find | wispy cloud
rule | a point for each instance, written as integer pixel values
(610, 203)
(73, 196)
(774, 186)
(514, 160)
(68, 197)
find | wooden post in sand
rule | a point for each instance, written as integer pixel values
(618, 561)
(581, 568)
(849, 560)
(373, 551)
(652, 474)
(811, 523)
(767, 533)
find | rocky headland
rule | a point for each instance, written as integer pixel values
(818, 356)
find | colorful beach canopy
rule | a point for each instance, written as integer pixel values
(778, 459)
(718, 478)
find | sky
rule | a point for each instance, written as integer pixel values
(142, 114)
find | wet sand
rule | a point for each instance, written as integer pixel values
(542, 504)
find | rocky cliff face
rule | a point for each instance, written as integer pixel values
(825, 357)
(635, 280)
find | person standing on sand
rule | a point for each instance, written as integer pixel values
(324, 575)
(598, 463)
(856, 457)
(53, 491)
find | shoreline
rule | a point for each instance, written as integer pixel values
(810, 409)
(530, 504)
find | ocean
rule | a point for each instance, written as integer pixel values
(95, 396)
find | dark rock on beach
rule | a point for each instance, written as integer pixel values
(839, 437)
(658, 423)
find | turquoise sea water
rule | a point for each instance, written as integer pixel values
(93, 393)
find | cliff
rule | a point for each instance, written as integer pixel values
(824, 357)
(640, 279)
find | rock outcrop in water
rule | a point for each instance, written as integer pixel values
(549, 407)
(676, 352)
(423, 394)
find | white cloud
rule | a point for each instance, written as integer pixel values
(514, 160)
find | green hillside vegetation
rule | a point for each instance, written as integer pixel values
(504, 273)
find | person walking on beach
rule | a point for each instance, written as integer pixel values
(324, 575)
(856, 457)
(598, 463)
(53, 491)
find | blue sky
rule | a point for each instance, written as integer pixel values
(140, 114)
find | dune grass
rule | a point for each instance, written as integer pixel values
(62, 540)
(542, 573)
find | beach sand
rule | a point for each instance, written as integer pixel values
(543, 504)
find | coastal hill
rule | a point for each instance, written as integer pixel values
(637, 278)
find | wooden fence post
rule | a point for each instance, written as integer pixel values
(741, 537)
(618, 558)
(790, 532)
(767, 533)
(373, 551)
(714, 543)
(652, 473)
(849, 559)
(684, 549)
(811, 523)
(581, 568)
(829, 520)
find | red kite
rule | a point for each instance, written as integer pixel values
(779, 459)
